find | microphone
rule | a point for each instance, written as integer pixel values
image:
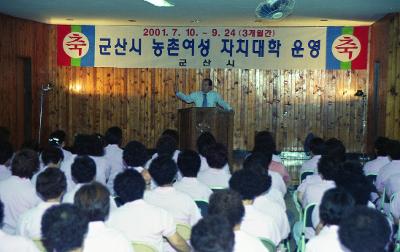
(47, 87)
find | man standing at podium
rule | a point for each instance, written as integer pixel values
(206, 98)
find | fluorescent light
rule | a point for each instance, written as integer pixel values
(160, 3)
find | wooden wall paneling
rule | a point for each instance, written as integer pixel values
(396, 80)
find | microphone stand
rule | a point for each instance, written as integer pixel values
(43, 91)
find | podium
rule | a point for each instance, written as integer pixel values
(194, 121)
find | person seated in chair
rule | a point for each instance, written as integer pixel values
(212, 234)
(215, 176)
(140, 221)
(50, 186)
(228, 203)
(335, 203)
(317, 148)
(364, 229)
(163, 171)
(13, 242)
(94, 200)
(189, 166)
(17, 192)
(64, 228)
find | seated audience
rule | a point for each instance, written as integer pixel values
(258, 163)
(189, 166)
(165, 146)
(12, 242)
(255, 222)
(381, 150)
(147, 223)
(83, 171)
(317, 148)
(6, 153)
(215, 176)
(390, 169)
(51, 157)
(50, 186)
(94, 200)
(335, 203)
(364, 229)
(335, 150)
(58, 139)
(163, 171)
(92, 146)
(313, 192)
(135, 157)
(64, 228)
(212, 234)
(264, 143)
(113, 153)
(228, 203)
(203, 143)
(17, 192)
(264, 139)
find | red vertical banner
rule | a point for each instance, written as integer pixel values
(62, 58)
(362, 33)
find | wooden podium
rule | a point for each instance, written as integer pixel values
(194, 121)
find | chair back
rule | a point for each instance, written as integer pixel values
(216, 189)
(184, 231)
(306, 222)
(39, 245)
(297, 204)
(304, 175)
(203, 207)
(143, 247)
(268, 244)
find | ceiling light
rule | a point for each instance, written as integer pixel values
(195, 21)
(160, 3)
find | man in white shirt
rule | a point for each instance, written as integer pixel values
(91, 146)
(163, 171)
(58, 139)
(50, 185)
(390, 169)
(51, 157)
(166, 145)
(83, 171)
(228, 203)
(335, 203)
(216, 232)
(189, 166)
(205, 98)
(381, 149)
(113, 153)
(327, 169)
(317, 147)
(135, 157)
(93, 200)
(12, 242)
(249, 185)
(64, 228)
(357, 228)
(260, 183)
(17, 192)
(6, 153)
(258, 163)
(215, 176)
(140, 221)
